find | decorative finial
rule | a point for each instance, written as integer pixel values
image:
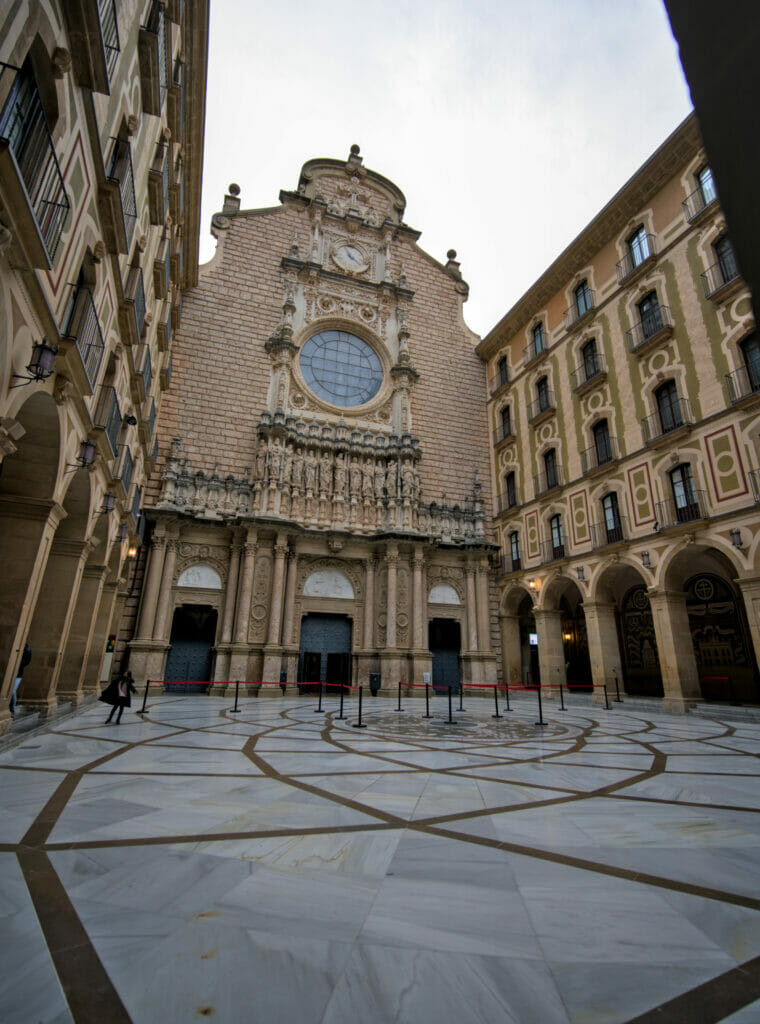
(234, 190)
(355, 149)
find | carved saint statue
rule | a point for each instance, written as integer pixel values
(355, 477)
(379, 480)
(325, 473)
(275, 461)
(407, 479)
(311, 470)
(297, 474)
(390, 478)
(367, 482)
(340, 473)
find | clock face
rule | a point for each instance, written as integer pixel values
(350, 257)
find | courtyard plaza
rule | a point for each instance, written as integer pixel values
(279, 865)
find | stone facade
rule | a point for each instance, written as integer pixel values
(306, 503)
(101, 132)
(624, 408)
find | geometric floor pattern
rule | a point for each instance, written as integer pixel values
(279, 865)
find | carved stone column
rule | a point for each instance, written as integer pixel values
(472, 609)
(160, 630)
(484, 631)
(603, 647)
(680, 677)
(229, 595)
(391, 559)
(150, 594)
(290, 597)
(551, 651)
(418, 603)
(368, 640)
(273, 650)
(239, 650)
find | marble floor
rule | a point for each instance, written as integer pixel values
(279, 865)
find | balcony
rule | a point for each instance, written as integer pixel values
(634, 262)
(134, 511)
(599, 455)
(551, 552)
(577, 315)
(148, 424)
(165, 374)
(162, 268)
(164, 330)
(122, 473)
(35, 203)
(83, 328)
(158, 184)
(591, 372)
(133, 306)
(542, 408)
(533, 352)
(506, 501)
(754, 479)
(175, 10)
(94, 34)
(504, 432)
(107, 422)
(143, 376)
(670, 514)
(175, 109)
(509, 564)
(649, 332)
(151, 457)
(604, 534)
(499, 380)
(699, 203)
(544, 482)
(154, 59)
(660, 424)
(118, 205)
(743, 383)
(722, 278)
(176, 306)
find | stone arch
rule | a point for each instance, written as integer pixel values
(622, 640)
(328, 582)
(443, 593)
(517, 623)
(200, 575)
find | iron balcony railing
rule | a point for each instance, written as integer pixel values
(150, 418)
(606, 533)
(504, 432)
(120, 173)
(109, 31)
(108, 416)
(23, 126)
(146, 370)
(83, 326)
(154, 453)
(136, 502)
(754, 479)
(672, 416)
(606, 450)
(691, 509)
(576, 312)
(499, 380)
(507, 500)
(544, 403)
(743, 382)
(135, 293)
(588, 370)
(156, 25)
(533, 351)
(509, 564)
(124, 468)
(720, 274)
(648, 326)
(634, 259)
(543, 482)
(698, 201)
(166, 370)
(550, 551)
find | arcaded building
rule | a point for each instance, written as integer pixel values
(624, 413)
(321, 508)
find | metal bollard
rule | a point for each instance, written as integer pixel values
(496, 702)
(341, 703)
(461, 694)
(318, 709)
(360, 724)
(451, 721)
(506, 690)
(236, 709)
(398, 704)
(427, 700)
(561, 699)
(540, 707)
(142, 710)
(617, 691)
(606, 702)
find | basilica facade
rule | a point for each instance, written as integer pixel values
(321, 508)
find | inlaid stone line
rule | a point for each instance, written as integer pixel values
(711, 1002)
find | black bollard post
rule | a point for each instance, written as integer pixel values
(496, 702)
(318, 709)
(540, 707)
(427, 700)
(236, 709)
(341, 703)
(461, 693)
(451, 721)
(606, 701)
(561, 699)
(142, 710)
(359, 724)
(617, 691)
(506, 690)
(398, 703)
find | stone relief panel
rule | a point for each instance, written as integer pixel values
(402, 606)
(189, 555)
(351, 573)
(200, 575)
(328, 583)
(260, 600)
(443, 593)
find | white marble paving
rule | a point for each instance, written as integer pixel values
(22, 794)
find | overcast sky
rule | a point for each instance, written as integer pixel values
(506, 124)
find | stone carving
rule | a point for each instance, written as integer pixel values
(260, 598)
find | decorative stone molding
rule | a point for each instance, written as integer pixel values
(60, 62)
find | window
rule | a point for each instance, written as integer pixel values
(590, 358)
(514, 548)
(506, 422)
(638, 246)
(542, 393)
(651, 317)
(727, 265)
(602, 443)
(502, 372)
(511, 489)
(582, 298)
(668, 406)
(750, 348)
(684, 494)
(341, 368)
(706, 185)
(550, 468)
(613, 526)
(558, 536)
(539, 339)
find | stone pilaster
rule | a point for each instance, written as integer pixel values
(239, 650)
(161, 627)
(603, 648)
(675, 649)
(551, 651)
(273, 648)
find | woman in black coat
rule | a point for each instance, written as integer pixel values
(118, 693)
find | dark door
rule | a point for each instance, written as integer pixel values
(444, 640)
(325, 654)
(192, 641)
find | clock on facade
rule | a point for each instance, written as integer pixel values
(350, 257)
(341, 368)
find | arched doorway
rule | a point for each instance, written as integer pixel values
(324, 651)
(445, 644)
(641, 664)
(575, 641)
(531, 671)
(192, 642)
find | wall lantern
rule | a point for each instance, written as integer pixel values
(736, 537)
(645, 560)
(532, 584)
(109, 500)
(132, 551)
(86, 456)
(581, 574)
(40, 366)
(567, 637)
(123, 531)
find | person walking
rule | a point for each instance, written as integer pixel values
(26, 657)
(117, 693)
